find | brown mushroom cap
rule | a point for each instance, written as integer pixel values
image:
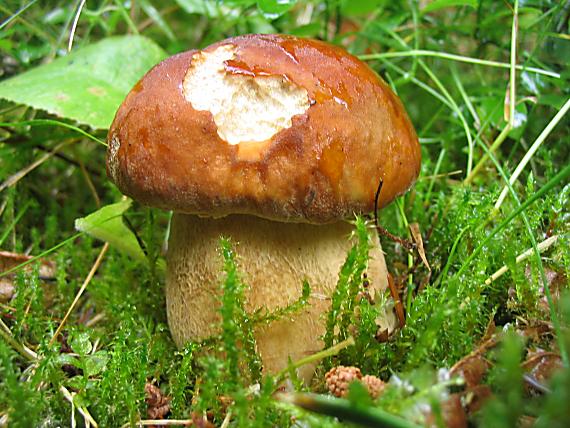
(323, 166)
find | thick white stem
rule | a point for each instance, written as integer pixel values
(274, 258)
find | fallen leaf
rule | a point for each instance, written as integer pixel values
(472, 369)
(417, 236)
(6, 290)
(453, 413)
(475, 397)
(9, 260)
(542, 365)
(556, 281)
(536, 331)
(200, 421)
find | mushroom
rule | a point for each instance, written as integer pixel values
(273, 141)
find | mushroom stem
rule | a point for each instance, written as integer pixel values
(274, 258)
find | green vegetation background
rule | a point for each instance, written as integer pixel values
(450, 61)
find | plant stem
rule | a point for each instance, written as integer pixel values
(329, 352)
(459, 58)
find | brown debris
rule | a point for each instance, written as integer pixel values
(417, 236)
(200, 421)
(397, 301)
(158, 405)
(9, 260)
(6, 289)
(541, 365)
(374, 386)
(537, 331)
(382, 335)
(452, 412)
(556, 281)
(475, 397)
(472, 369)
(338, 380)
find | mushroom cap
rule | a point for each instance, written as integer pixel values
(275, 126)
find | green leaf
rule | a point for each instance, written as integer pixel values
(360, 7)
(214, 9)
(67, 359)
(96, 363)
(87, 85)
(107, 224)
(80, 343)
(157, 18)
(366, 416)
(358, 395)
(273, 9)
(78, 383)
(309, 30)
(441, 4)
(489, 111)
(200, 7)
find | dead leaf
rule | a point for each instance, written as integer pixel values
(542, 365)
(472, 369)
(417, 236)
(452, 412)
(474, 398)
(200, 421)
(556, 281)
(9, 260)
(6, 289)
(536, 331)
(526, 421)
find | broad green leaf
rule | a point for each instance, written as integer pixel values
(107, 224)
(78, 383)
(96, 363)
(441, 4)
(155, 15)
(87, 85)
(309, 30)
(209, 8)
(80, 343)
(200, 7)
(360, 7)
(243, 3)
(273, 9)
(488, 111)
(67, 359)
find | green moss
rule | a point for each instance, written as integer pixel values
(122, 313)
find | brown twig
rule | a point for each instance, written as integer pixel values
(397, 301)
(408, 245)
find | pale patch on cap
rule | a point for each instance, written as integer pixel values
(246, 109)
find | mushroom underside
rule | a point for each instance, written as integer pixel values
(275, 259)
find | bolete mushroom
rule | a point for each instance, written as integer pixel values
(273, 141)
